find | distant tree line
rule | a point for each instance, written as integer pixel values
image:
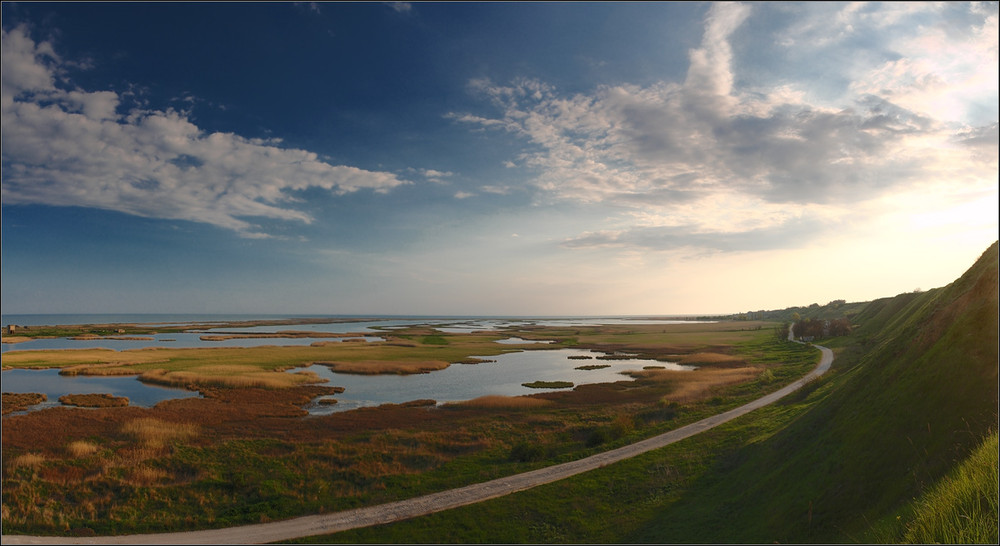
(819, 328)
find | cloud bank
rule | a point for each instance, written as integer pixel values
(71, 147)
(684, 156)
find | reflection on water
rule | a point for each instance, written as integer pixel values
(466, 381)
(53, 385)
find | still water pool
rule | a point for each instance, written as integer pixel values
(467, 381)
(53, 385)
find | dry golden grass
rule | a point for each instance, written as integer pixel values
(154, 433)
(230, 376)
(27, 460)
(372, 367)
(16, 339)
(698, 384)
(94, 400)
(145, 476)
(16, 401)
(58, 358)
(709, 358)
(502, 402)
(81, 448)
(107, 369)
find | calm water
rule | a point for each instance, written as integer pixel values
(53, 385)
(457, 382)
(466, 381)
(185, 340)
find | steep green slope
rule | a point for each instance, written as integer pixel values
(913, 396)
(962, 508)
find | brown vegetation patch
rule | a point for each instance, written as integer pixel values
(287, 334)
(503, 402)
(154, 433)
(374, 367)
(145, 476)
(474, 360)
(101, 400)
(17, 401)
(691, 386)
(32, 460)
(16, 339)
(238, 376)
(710, 358)
(81, 448)
(107, 369)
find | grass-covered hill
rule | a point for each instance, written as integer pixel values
(914, 395)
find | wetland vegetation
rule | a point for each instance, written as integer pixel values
(897, 443)
(245, 453)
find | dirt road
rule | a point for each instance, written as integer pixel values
(419, 506)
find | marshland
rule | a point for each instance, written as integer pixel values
(915, 375)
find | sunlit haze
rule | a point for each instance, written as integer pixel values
(492, 158)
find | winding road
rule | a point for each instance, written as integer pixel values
(436, 502)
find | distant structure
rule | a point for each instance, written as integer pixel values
(11, 328)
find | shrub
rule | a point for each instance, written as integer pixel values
(526, 452)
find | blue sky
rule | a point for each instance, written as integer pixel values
(492, 158)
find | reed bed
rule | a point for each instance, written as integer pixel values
(32, 460)
(102, 400)
(495, 401)
(373, 367)
(237, 376)
(81, 448)
(709, 358)
(691, 386)
(144, 476)
(154, 433)
(107, 369)
(16, 401)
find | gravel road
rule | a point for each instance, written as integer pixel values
(427, 504)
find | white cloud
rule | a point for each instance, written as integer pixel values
(693, 152)
(74, 148)
(401, 7)
(940, 73)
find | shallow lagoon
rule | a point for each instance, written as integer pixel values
(455, 383)
(467, 381)
(53, 385)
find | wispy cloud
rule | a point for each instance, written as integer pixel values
(71, 147)
(664, 147)
(401, 7)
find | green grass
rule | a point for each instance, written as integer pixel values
(961, 508)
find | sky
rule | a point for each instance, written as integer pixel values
(518, 159)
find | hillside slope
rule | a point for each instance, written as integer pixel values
(913, 394)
